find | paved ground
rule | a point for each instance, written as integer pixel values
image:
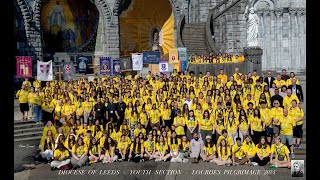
(26, 149)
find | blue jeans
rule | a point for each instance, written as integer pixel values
(37, 113)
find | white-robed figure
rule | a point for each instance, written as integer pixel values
(56, 16)
(252, 29)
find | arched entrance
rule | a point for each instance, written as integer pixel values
(147, 25)
(69, 26)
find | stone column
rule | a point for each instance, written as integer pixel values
(278, 37)
(292, 45)
(272, 40)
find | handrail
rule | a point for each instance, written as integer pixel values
(214, 14)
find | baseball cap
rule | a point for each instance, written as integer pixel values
(208, 137)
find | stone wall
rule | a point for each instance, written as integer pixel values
(282, 34)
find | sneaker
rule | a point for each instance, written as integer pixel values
(185, 160)
(179, 160)
(255, 164)
(141, 160)
(273, 166)
(157, 160)
(211, 161)
(292, 156)
(228, 164)
(120, 160)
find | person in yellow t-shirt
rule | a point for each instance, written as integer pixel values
(70, 141)
(161, 153)
(165, 114)
(37, 107)
(224, 154)
(287, 100)
(79, 154)
(206, 125)
(275, 114)
(224, 136)
(87, 107)
(109, 147)
(222, 76)
(192, 124)
(297, 114)
(154, 116)
(287, 124)
(123, 148)
(149, 147)
(263, 152)
(136, 151)
(238, 154)
(243, 124)
(94, 151)
(143, 116)
(266, 118)
(47, 108)
(257, 126)
(249, 148)
(209, 150)
(280, 152)
(61, 157)
(139, 129)
(232, 126)
(31, 96)
(179, 123)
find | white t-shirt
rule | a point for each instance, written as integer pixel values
(189, 103)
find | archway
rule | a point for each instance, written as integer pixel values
(69, 26)
(146, 24)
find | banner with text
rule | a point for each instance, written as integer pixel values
(105, 65)
(173, 56)
(163, 66)
(68, 71)
(182, 51)
(151, 57)
(82, 63)
(24, 66)
(44, 71)
(183, 66)
(116, 66)
(137, 62)
(126, 64)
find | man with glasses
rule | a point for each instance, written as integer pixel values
(276, 97)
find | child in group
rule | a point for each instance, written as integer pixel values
(209, 150)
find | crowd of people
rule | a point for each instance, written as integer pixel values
(236, 120)
(216, 59)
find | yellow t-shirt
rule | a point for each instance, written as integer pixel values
(263, 151)
(87, 106)
(232, 124)
(80, 150)
(191, 122)
(209, 149)
(282, 150)
(95, 150)
(61, 154)
(133, 119)
(31, 96)
(287, 101)
(228, 139)
(224, 155)
(165, 114)
(179, 129)
(162, 148)
(265, 115)
(137, 131)
(287, 124)
(149, 146)
(249, 148)
(296, 113)
(256, 124)
(122, 145)
(243, 124)
(136, 151)
(143, 119)
(206, 123)
(154, 116)
(239, 151)
(276, 113)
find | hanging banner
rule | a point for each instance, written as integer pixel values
(163, 66)
(137, 62)
(68, 71)
(173, 56)
(183, 66)
(105, 65)
(182, 52)
(126, 64)
(151, 57)
(82, 63)
(24, 66)
(116, 66)
(44, 71)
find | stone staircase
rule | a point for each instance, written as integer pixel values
(194, 38)
(24, 131)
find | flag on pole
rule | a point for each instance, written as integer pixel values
(163, 66)
(44, 71)
(24, 66)
(68, 71)
(137, 62)
(173, 56)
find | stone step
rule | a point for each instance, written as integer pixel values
(25, 126)
(28, 134)
(34, 129)
(28, 138)
(18, 122)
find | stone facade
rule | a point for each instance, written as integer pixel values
(282, 31)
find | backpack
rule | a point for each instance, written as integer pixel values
(66, 167)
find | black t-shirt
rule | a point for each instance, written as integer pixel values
(100, 110)
(121, 107)
(111, 108)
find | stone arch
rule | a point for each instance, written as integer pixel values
(262, 2)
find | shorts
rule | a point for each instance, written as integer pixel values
(297, 131)
(284, 138)
(276, 129)
(24, 107)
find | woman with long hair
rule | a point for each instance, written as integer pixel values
(192, 125)
(243, 124)
(70, 141)
(224, 154)
(179, 123)
(109, 147)
(95, 151)
(136, 151)
(206, 125)
(161, 153)
(47, 146)
(122, 147)
(257, 126)
(174, 147)
(165, 115)
(47, 108)
(154, 116)
(209, 150)
(263, 152)
(79, 154)
(232, 125)
(133, 120)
